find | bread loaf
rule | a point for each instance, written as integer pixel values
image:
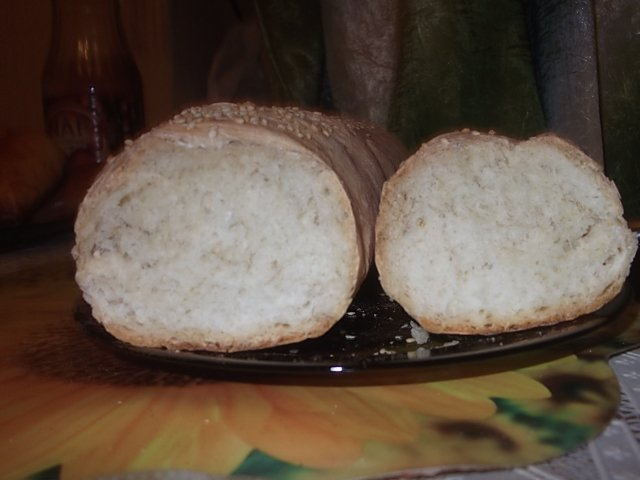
(233, 227)
(482, 234)
(30, 166)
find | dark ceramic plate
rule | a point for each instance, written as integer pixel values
(375, 337)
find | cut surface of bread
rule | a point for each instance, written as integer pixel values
(481, 234)
(211, 233)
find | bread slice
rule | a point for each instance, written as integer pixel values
(233, 227)
(481, 234)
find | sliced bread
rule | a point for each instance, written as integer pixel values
(233, 227)
(481, 234)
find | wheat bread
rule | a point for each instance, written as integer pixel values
(233, 227)
(30, 167)
(481, 234)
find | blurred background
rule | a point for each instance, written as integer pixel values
(417, 67)
(172, 42)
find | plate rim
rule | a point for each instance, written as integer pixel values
(219, 364)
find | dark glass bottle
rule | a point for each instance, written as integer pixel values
(92, 91)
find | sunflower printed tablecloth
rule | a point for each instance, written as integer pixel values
(71, 408)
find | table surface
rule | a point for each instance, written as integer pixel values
(70, 407)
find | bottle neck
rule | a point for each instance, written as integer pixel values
(87, 34)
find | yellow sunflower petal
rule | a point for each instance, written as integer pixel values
(351, 409)
(429, 399)
(299, 437)
(503, 385)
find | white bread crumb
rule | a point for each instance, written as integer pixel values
(481, 234)
(220, 231)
